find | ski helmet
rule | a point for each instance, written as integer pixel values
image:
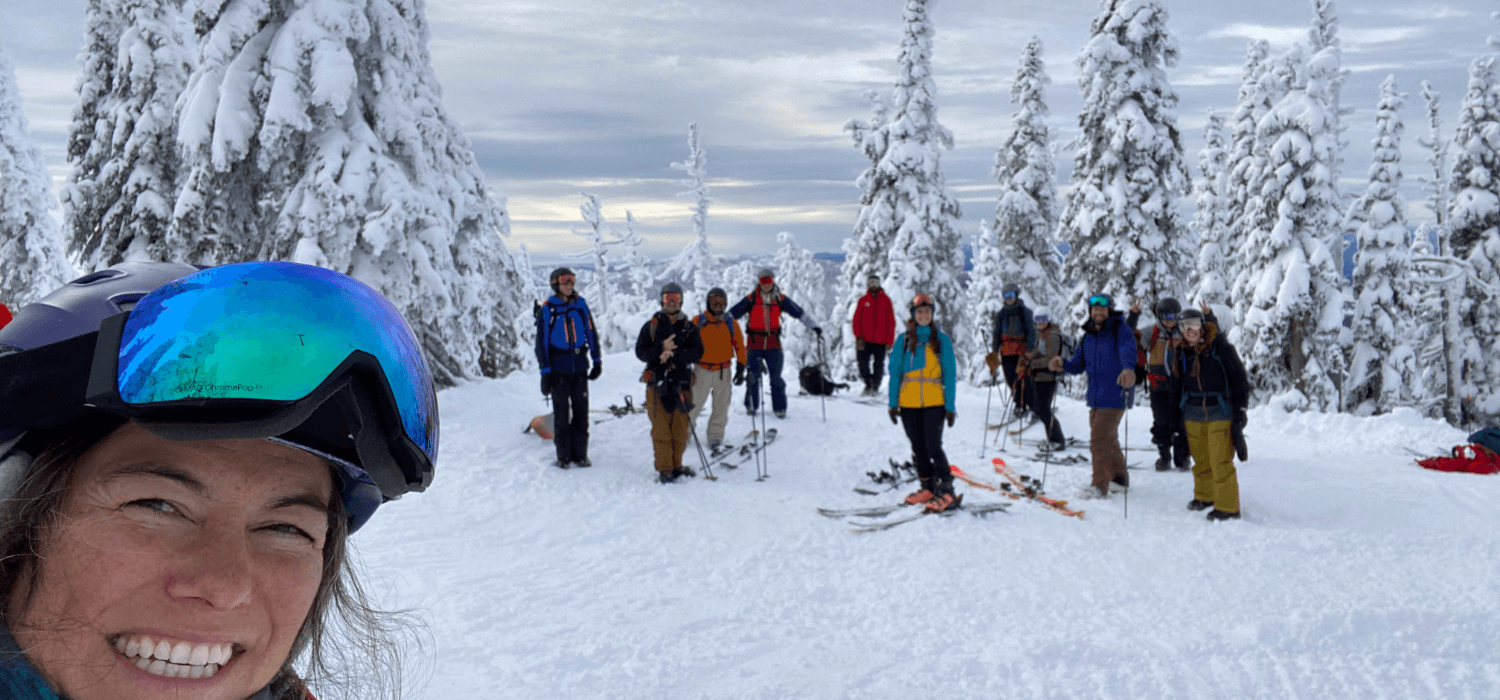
(671, 288)
(1168, 309)
(352, 386)
(1102, 299)
(557, 274)
(919, 301)
(763, 274)
(1011, 290)
(1042, 314)
(1190, 314)
(718, 293)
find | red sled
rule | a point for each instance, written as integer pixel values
(1471, 459)
(542, 426)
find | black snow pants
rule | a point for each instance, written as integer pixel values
(570, 416)
(871, 364)
(1041, 407)
(1166, 432)
(924, 427)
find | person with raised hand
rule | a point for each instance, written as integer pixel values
(184, 455)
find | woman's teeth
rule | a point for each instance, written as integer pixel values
(174, 660)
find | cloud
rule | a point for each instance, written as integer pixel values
(1351, 39)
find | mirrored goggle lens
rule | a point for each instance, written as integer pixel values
(565, 279)
(767, 280)
(1041, 320)
(1099, 300)
(270, 331)
(672, 297)
(1008, 295)
(1191, 323)
(1169, 317)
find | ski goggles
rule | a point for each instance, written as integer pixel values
(564, 279)
(1101, 300)
(1169, 317)
(1191, 323)
(1041, 319)
(768, 280)
(921, 300)
(1008, 295)
(291, 352)
(673, 297)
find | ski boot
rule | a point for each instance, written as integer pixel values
(1196, 504)
(922, 495)
(1217, 515)
(943, 497)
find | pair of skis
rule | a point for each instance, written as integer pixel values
(1017, 487)
(731, 457)
(861, 527)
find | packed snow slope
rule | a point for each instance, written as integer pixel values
(1354, 574)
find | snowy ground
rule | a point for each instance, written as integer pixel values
(1355, 574)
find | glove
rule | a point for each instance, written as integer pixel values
(859, 344)
(596, 371)
(546, 385)
(818, 331)
(951, 416)
(895, 413)
(992, 361)
(1241, 418)
(739, 373)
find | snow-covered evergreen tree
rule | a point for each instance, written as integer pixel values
(1026, 213)
(1427, 326)
(1121, 221)
(1253, 102)
(986, 283)
(637, 265)
(865, 248)
(32, 259)
(1474, 214)
(800, 277)
(739, 281)
(1325, 48)
(122, 142)
(696, 265)
(1289, 296)
(1211, 219)
(314, 131)
(926, 255)
(599, 287)
(1437, 158)
(1383, 370)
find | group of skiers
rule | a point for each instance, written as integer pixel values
(687, 360)
(1197, 383)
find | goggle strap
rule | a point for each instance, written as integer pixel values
(46, 386)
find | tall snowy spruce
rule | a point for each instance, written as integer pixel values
(1121, 222)
(600, 285)
(865, 249)
(1383, 369)
(123, 143)
(1019, 246)
(696, 264)
(32, 259)
(926, 255)
(1289, 296)
(1211, 218)
(1475, 214)
(800, 277)
(1254, 100)
(314, 131)
(1323, 41)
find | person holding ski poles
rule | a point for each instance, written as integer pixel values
(565, 343)
(762, 309)
(1211, 391)
(669, 344)
(205, 523)
(1107, 353)
(722, 346)
(1014, 335)
(874, 331)
(1043, 381)
(922, 388)
(1166, 430)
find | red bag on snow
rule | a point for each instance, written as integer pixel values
(1473, 459)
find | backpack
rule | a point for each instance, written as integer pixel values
(1488, 438)
(813, 382)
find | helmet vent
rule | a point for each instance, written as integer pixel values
(99, 276)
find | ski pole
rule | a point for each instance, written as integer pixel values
(1051, 421)
(823, 366)
(762, 468)
(1014, 412)
(708, 472)
(1005, 416)
(984, 436)
(1126, 396)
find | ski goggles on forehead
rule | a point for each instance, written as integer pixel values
(1099, 300)
(291, 352)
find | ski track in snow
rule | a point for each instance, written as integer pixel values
(1355, 574)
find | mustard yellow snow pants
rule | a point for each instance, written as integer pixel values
(1214, 478)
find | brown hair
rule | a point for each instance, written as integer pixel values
(934, 338)
(360, 660)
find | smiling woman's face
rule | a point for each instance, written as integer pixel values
(177, 569)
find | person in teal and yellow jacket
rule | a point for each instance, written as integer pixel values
(922, 388)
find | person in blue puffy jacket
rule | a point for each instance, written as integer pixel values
(1107, 352)
(566, 343)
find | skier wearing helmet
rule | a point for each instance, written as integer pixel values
(1107, 352)
(1043, 381)
(1166, 430)
(1013, 336)
(183, 455)
(762, 309)
(723, 346)
(923, 384)
(566, 342)
(669, 344)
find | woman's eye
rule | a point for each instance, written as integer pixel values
(154, 504)
(290, 530)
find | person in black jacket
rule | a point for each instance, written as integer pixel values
(1211, 391)
(669, 345)
(1013, 336)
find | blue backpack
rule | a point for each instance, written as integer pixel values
(1488, 438)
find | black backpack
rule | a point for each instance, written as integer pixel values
(813, 381)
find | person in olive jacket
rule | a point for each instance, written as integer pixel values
(1211, 391)
(669, 344)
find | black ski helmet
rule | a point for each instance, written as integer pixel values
(920, 301)
(559, 272)
(1168, 305)
(1011, 287)
(1189, 313)
(717, 293)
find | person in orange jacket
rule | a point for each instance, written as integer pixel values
(874, 331)
(722, 345)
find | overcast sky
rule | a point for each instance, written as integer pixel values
(560, 96)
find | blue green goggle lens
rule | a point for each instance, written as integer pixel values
(1008, 295)
(1099, 300)
(268, 343)
(1169, 317)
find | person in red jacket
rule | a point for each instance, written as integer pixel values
(4, 316)
(874, 331)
